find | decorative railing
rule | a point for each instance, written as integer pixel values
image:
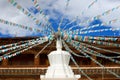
(38, 70)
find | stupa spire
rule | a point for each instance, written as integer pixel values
(58, 42)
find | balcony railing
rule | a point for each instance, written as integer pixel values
(39, 70)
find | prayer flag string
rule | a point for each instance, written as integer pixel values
(60, 23)
(97, 25)
(70, 23)
(29, 46)
(82, 13)
(37, 6)
(26, 45)
(86, 39)
(67, 3)
(84, 45)
(101, 49)
(98, 16)
(82, 38)
(69, 50)
(96, 38)
(21, 42)
(19, 25)
(19, 7)
(17, 46)
(76, 32)
(77, 47)
(90, 51)
(89, 6)
(25, 27)
(76, 63)
(101, 15)
(14, 44)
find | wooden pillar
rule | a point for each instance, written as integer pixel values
(36, 61)
(5, 62)
(92, 62)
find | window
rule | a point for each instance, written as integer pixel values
(44, 60)
(22, 59)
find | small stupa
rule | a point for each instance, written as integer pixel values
(59, 68)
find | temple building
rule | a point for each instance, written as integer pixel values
(26, 66)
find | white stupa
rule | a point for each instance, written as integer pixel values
(59, 68)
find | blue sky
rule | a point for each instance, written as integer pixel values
(55, 11)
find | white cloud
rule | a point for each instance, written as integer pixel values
(75, 8)
(10, 13)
